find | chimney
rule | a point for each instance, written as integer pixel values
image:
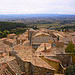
(30, 38)
(28, 33)
(45, 47)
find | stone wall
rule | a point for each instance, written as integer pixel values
(35, 46)
(35, 70)
(66, 59)
(55, 65)
(8, 43)
(29, 69)
(41, 39)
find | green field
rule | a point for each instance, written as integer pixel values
(55, 25)
(45, 25)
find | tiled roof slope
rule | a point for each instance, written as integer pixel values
(25, 53)
(41, 47)
(41, 63)
(4, 47)
(4, 70)
(15, 67)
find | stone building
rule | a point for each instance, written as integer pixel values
(11, 36)
(36, 52)
(10, 42)
(21, 38)
(40, 38)
(30, 63)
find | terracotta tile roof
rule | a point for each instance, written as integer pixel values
(11, 34)
(23, 37)
(53, 59)
(22, 47)
(36, 61)
(41, 52)
(42, 29)
(61, 34)
(24, 52)
(11, 40)
(26, 42)
(59, 74)
(4, 70)
(4, 47)
(53, 35)
(52, 30)
(66, 39)
(72, 34)
(41, 47)
(50, 51)
(31, 29)
(41, 33)
(6, 58)
(2, 39)
(27, 55)
(41, 63)
(36, 31)
(14, 66)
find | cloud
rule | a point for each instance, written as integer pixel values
(37, 6)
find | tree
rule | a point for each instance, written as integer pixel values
(5, 33)
(70, 48)
(70, 70)
(0, 34)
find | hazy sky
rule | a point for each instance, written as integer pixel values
(37, 6)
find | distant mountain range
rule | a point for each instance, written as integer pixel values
(10, 17)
